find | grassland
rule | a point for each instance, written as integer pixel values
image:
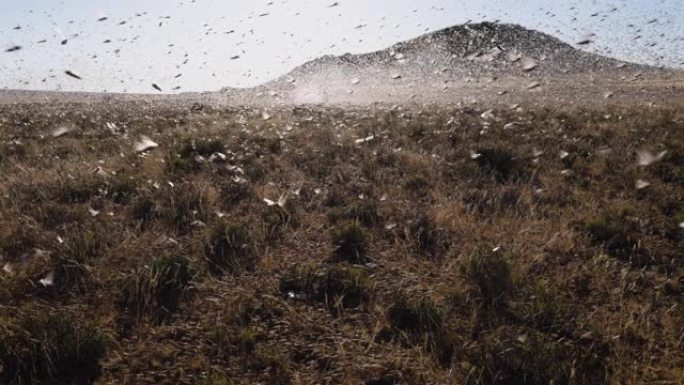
(403, 245)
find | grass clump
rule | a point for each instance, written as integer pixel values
(191, 154)
(417, 185)
(229, 249)
(338, 287)
(77, 191)
(122, 188)
(350, 244)
(517, 355)
(87, 243)
(276, 222)
(670, 169)
(44, 347)
(190, 148)
(53, 215)
(545, 310)
(233, 193)
(143, 210)
(157, 290)
(502, 165)
(414, 319)
(183, 206)
(273, 145)
(489, 275)
(422, 323)
(216, 378)
(70, 276)
(615, 233)
(426, 238)
(364, 212)
(275, 363)
(178, 166)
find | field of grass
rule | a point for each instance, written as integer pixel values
(398, 246)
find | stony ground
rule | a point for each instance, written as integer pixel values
(309, 245)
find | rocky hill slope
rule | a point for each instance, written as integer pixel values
(449, 58)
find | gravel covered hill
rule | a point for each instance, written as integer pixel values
(449, 58)
(483, 49)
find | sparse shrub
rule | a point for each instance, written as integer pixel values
(524, 356)
(170, 276)
(245, 310)
(672, 208)
(178, 165)
(256, 169)
(422, 323)
(369, 169)
(489, 202)
(489, 275)
(615, 233)
(183, 205)
(364, 212)
(231, 340)
(509, 199)
(385, 379)
(317, 164)
(386, 158)
(275, 363)
(70, 276)
(350, 244)
(28, 195)
(276, 221)
(229, 250)
(427, 239)
(338, 287)
(416, 130)
(122, 188)
(11, 151)
(413, 320)
(233, 193)
(86, 243)
(336, 196)
(144, 210)
(19, 238)
(185, 157)
(47, 347)
(502, 165)
(417, 185)
(246, 340)
(23, 281)
(77, 191)
(273, 145)
(670, 169)
(54, 215)
(545, 310)
(158, 290)
(190, 148)
(216, 378)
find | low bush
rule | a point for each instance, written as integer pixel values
(229, 249)
(488, 274)
(47, 347)
(350, 244)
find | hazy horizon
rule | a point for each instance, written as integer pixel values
(208, 45)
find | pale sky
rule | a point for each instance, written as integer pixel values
(201, 39)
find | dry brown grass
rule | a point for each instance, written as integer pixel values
(441, 251)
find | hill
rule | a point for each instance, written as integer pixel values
(483, 49)
(446, 62)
